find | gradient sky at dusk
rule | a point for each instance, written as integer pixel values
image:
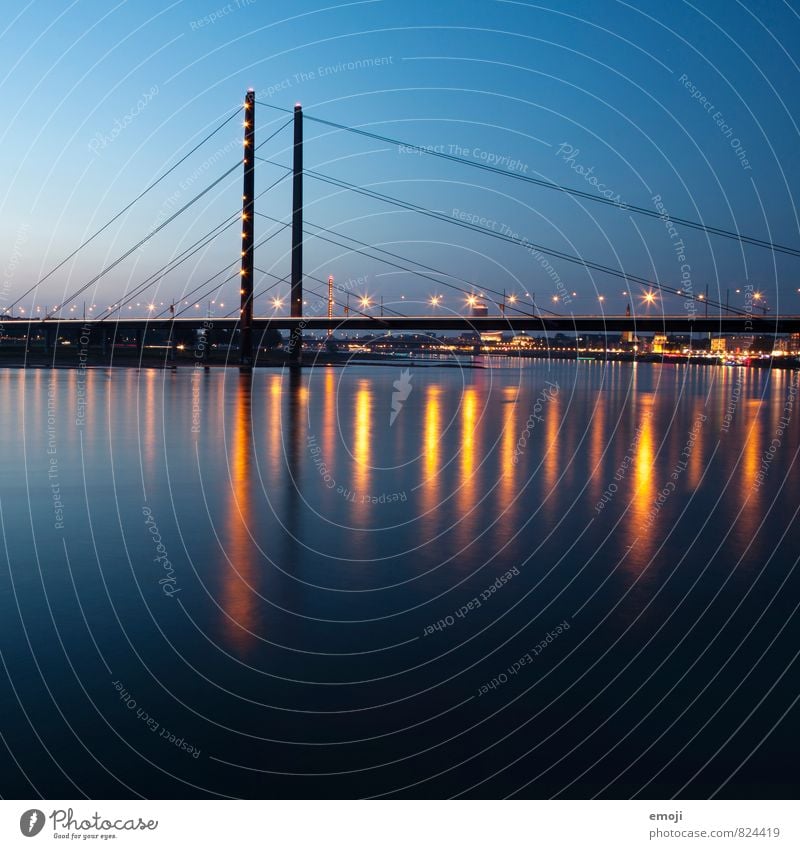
(613, 81)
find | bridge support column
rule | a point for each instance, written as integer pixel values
(49, 339)
(248, 215)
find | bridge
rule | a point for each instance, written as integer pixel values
(242, 326)
(429, 324)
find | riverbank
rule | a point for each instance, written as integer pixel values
(67, 357)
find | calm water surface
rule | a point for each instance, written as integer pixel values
(553, 579)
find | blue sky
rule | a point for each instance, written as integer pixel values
(696, 104)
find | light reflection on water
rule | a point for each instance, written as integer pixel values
(308, 534)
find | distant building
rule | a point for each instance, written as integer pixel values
(739, 343)
(719, 345)
(522, 340)
(627, 337)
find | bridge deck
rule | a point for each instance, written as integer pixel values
(749, 324)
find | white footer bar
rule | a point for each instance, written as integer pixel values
(396, 824)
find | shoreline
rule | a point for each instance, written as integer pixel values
(96, 360)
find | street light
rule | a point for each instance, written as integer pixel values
(435, 300)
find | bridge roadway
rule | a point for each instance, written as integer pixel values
(746, 325)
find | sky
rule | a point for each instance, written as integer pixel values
(689, 110)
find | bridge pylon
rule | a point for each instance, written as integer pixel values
(296, 339)
(248, 232)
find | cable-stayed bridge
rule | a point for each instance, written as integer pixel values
(313, 308)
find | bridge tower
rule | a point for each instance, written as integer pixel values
(296, 341)
(248, 223)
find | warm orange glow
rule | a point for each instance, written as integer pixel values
(362, 438)
(511, 430)
(273, 407)
(237, 597)
(597, 446)
(431, 447)
(641, 496)
(644, 458)
(432, 434)
(469, 416)
(752, 409)
(330, 422)
(150, 419)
